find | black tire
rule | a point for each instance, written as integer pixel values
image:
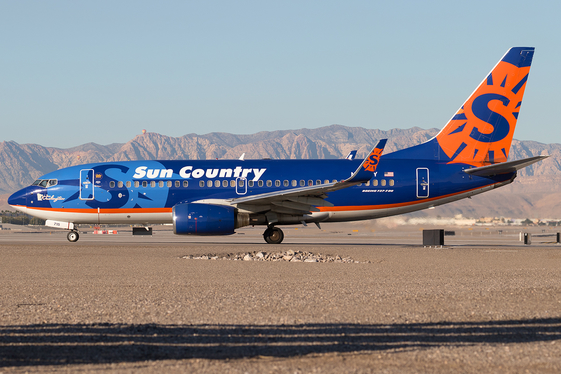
(73, 236)
(273, 235)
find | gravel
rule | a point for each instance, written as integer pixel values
(288, 256)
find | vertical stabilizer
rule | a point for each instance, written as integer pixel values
(480, 133)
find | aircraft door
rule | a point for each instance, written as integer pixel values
(241, 186)
(422, 183)
(86, 184)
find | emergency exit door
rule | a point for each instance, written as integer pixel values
(86, 184)
(422, 183)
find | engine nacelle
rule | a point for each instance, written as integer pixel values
(204, 219)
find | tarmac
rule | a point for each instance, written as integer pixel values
(483, 302)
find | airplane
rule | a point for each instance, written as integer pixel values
(467, 157)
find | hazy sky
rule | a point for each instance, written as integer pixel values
(73, 72)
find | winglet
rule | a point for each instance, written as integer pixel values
(368, 166)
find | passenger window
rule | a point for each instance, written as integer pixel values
(224, 183)
(294, 183)
(310, 182)
(209, 183)
(269, 183)
(326, 181)
(367, 184)
(375, 182)
(260, 183)
(160, 184)
(250, 183)
(128, 184)
(153, 184)
(285, 183)
(136, 184)
(185, 183)
(392, 182)
(383, 182)
(277, 183)
(112, 184)
(169, 183)
(302, 182)
(201, 183)
(120, 184)
(318, 182)
(241, 182)
(216, 183)
(177, 184)
(232, 183)
(144, 184)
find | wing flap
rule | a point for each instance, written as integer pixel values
(315, 201)
(295, 206)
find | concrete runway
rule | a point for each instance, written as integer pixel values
(483, 303)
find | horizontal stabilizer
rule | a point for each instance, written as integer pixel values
(351, 155)
(503, 167)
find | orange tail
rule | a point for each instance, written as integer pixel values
(480, 133)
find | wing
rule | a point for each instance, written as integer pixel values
(304, 200)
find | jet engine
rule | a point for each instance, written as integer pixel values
(206, 219)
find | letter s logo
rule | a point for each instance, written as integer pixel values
(501, 126)
(140, 172)
(371, 162)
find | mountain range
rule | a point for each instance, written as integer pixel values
(535, 193)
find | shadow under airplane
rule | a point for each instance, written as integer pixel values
(63, 344)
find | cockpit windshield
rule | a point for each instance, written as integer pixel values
(45, 182)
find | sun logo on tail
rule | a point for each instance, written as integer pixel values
(480, 133)
(371, 162)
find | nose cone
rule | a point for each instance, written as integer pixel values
(19, 198)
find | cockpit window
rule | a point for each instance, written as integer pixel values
(45, 182)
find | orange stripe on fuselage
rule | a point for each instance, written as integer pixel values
(395, 205)
(106, 211)
(321, 209)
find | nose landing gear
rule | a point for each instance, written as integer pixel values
(73, 236)
(273, 235)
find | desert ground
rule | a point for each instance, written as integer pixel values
(374, 300)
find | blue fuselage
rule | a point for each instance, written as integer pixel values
(109, 192)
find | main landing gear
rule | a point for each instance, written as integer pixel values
(273, 235)
(73, 236)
